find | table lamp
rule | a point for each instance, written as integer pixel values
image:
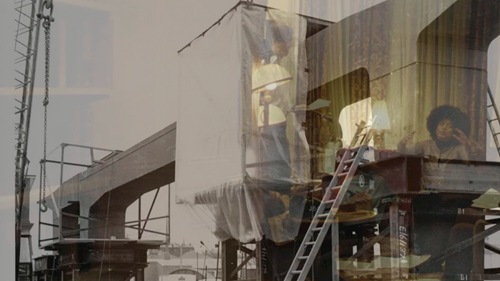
(381, 122)
(265, 79)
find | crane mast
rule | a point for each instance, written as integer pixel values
(26, 46)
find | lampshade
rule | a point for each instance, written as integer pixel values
(269, 76)
(380, 115)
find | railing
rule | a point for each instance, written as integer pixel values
(65, 232)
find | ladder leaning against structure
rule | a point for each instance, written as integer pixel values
(493, 121)
(327, 210)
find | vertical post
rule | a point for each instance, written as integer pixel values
(39, 209)
(258, 260)
(168, 214)
(205, 263)
(229, 259)
(478, 249)
(404, 237)
(139, 219)
(217, 266)
(61, 178)
(393, 221)
(242, 275)
(139, 274)
(335, 251)
(31, 249)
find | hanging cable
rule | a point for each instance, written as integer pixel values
(46, 26)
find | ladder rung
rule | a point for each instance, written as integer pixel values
(348, 161)
(303, 258)
(323, 215)
(310, 243)
(347, 166)
(296, 271)
(343, 174)
(493, 120)
(489, 105)
(317, 229)
(330, 201)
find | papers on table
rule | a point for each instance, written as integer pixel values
(489, 200)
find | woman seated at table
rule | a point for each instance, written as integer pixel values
(449, 128)
(436, 224)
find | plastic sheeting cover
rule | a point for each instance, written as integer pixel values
(240, 152)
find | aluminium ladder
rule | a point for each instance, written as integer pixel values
(325, 214)
(495, 119)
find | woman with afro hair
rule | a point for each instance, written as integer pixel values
(449, 128)
(435, 229)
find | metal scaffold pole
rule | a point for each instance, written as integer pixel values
(27, 22)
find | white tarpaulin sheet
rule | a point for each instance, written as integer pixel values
(240, 151)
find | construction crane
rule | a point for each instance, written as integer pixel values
(26, 47)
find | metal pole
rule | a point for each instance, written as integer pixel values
(39, 210)
(335, 251)
(151, 219)
(168, 219)
(89, 147)
(21, 154)
(139, 222)
(217, 267)
(61, 178)
(205, 264)
(258, 260)
(149, 214)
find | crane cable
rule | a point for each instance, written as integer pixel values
(46, 26)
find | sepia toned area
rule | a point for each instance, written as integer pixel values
(253, 140)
